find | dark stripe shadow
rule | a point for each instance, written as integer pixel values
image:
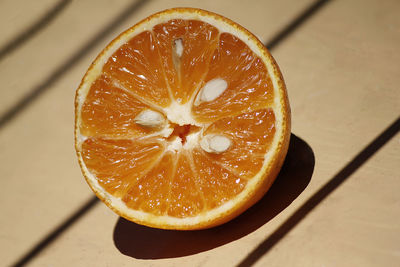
(321, 194)
(56, 233)
(296, 23)
(142, 242)
(33, 29)
(38, 90)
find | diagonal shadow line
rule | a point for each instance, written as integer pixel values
(33, 29)
(361, 158)
(56, 232)
(296, 23)
(72, 61)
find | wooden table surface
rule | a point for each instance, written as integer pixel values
(335, 202)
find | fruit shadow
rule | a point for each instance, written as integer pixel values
(142, 242)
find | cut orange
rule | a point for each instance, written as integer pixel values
(182, 121)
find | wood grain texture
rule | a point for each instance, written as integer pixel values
(341, 70)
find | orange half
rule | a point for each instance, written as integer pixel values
(182, 121)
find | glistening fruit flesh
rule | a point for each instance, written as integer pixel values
(139, 128)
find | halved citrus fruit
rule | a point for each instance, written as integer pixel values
(182, 121)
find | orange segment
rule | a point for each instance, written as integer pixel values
(199, 40)
(185, 199)
(118, 164)
(247, 78)
(166, 34)
(251, 134)
(110, 111)
(136, 66)
(217, 184)
(151, 192)
(168, 188)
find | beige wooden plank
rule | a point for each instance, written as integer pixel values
(50, 49)
(340, 103)
(17, 15)
(342, 85)
(43, 181)
(341, 74)
(358, 225)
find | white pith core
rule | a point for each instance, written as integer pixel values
(175, 145)
(192, 140)
(179, 114)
